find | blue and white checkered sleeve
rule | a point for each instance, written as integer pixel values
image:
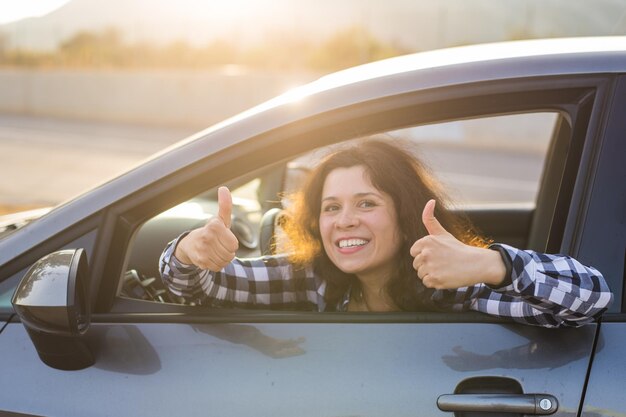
(270, 281)
(183, 280)
(546, 290)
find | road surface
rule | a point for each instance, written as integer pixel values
(45, 161)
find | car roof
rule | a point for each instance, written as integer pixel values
(420, 71)
(482, 53)
(540, 57)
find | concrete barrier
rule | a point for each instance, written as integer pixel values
(196, 98)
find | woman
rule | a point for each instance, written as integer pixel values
(359, 244)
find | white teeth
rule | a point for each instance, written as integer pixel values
(351, 242)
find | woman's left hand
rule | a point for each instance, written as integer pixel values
(444, 262)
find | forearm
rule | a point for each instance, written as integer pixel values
(270, 281)
(554, 290)
(183, 280)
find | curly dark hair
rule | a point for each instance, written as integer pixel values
(393, 169)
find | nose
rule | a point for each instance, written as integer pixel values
(347, 219)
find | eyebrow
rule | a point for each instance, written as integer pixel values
(357, 195)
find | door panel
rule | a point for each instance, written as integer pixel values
(605, 392)
(328, 370)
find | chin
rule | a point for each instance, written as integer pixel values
(351, 269)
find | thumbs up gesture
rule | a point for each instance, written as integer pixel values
(212, 246)
(444, 262)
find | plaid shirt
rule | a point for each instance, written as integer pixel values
(543, 290)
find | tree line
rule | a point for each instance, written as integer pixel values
(108, 49)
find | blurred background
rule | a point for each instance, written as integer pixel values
(90, 88)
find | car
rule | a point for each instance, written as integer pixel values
(527, 135)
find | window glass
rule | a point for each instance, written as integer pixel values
(479, 161)
(489, 160)
(7, 287)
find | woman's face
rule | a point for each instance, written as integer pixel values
(358, 224)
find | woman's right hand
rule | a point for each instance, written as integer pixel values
(214, 245)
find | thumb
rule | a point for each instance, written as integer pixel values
(225, 205)
(430, 221)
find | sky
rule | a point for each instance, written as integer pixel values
(409, 24)
(14, 10)
(406, 25)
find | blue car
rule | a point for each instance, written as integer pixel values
(528, 137)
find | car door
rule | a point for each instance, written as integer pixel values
(605, 222)
(166, 359)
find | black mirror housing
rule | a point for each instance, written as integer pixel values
(53, 304)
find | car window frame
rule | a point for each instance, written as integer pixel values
(560, 94)
(597, 208)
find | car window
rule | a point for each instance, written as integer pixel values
(6, 292)
(141, 279)
(490, 160)
(484, 161)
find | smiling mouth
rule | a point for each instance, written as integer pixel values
(352, 243)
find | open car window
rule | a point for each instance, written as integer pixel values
(492, 165)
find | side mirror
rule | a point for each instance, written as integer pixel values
(52, 303)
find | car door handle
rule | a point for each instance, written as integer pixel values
(534, 404)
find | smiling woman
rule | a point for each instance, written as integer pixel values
(358, 226)
(358, 243)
